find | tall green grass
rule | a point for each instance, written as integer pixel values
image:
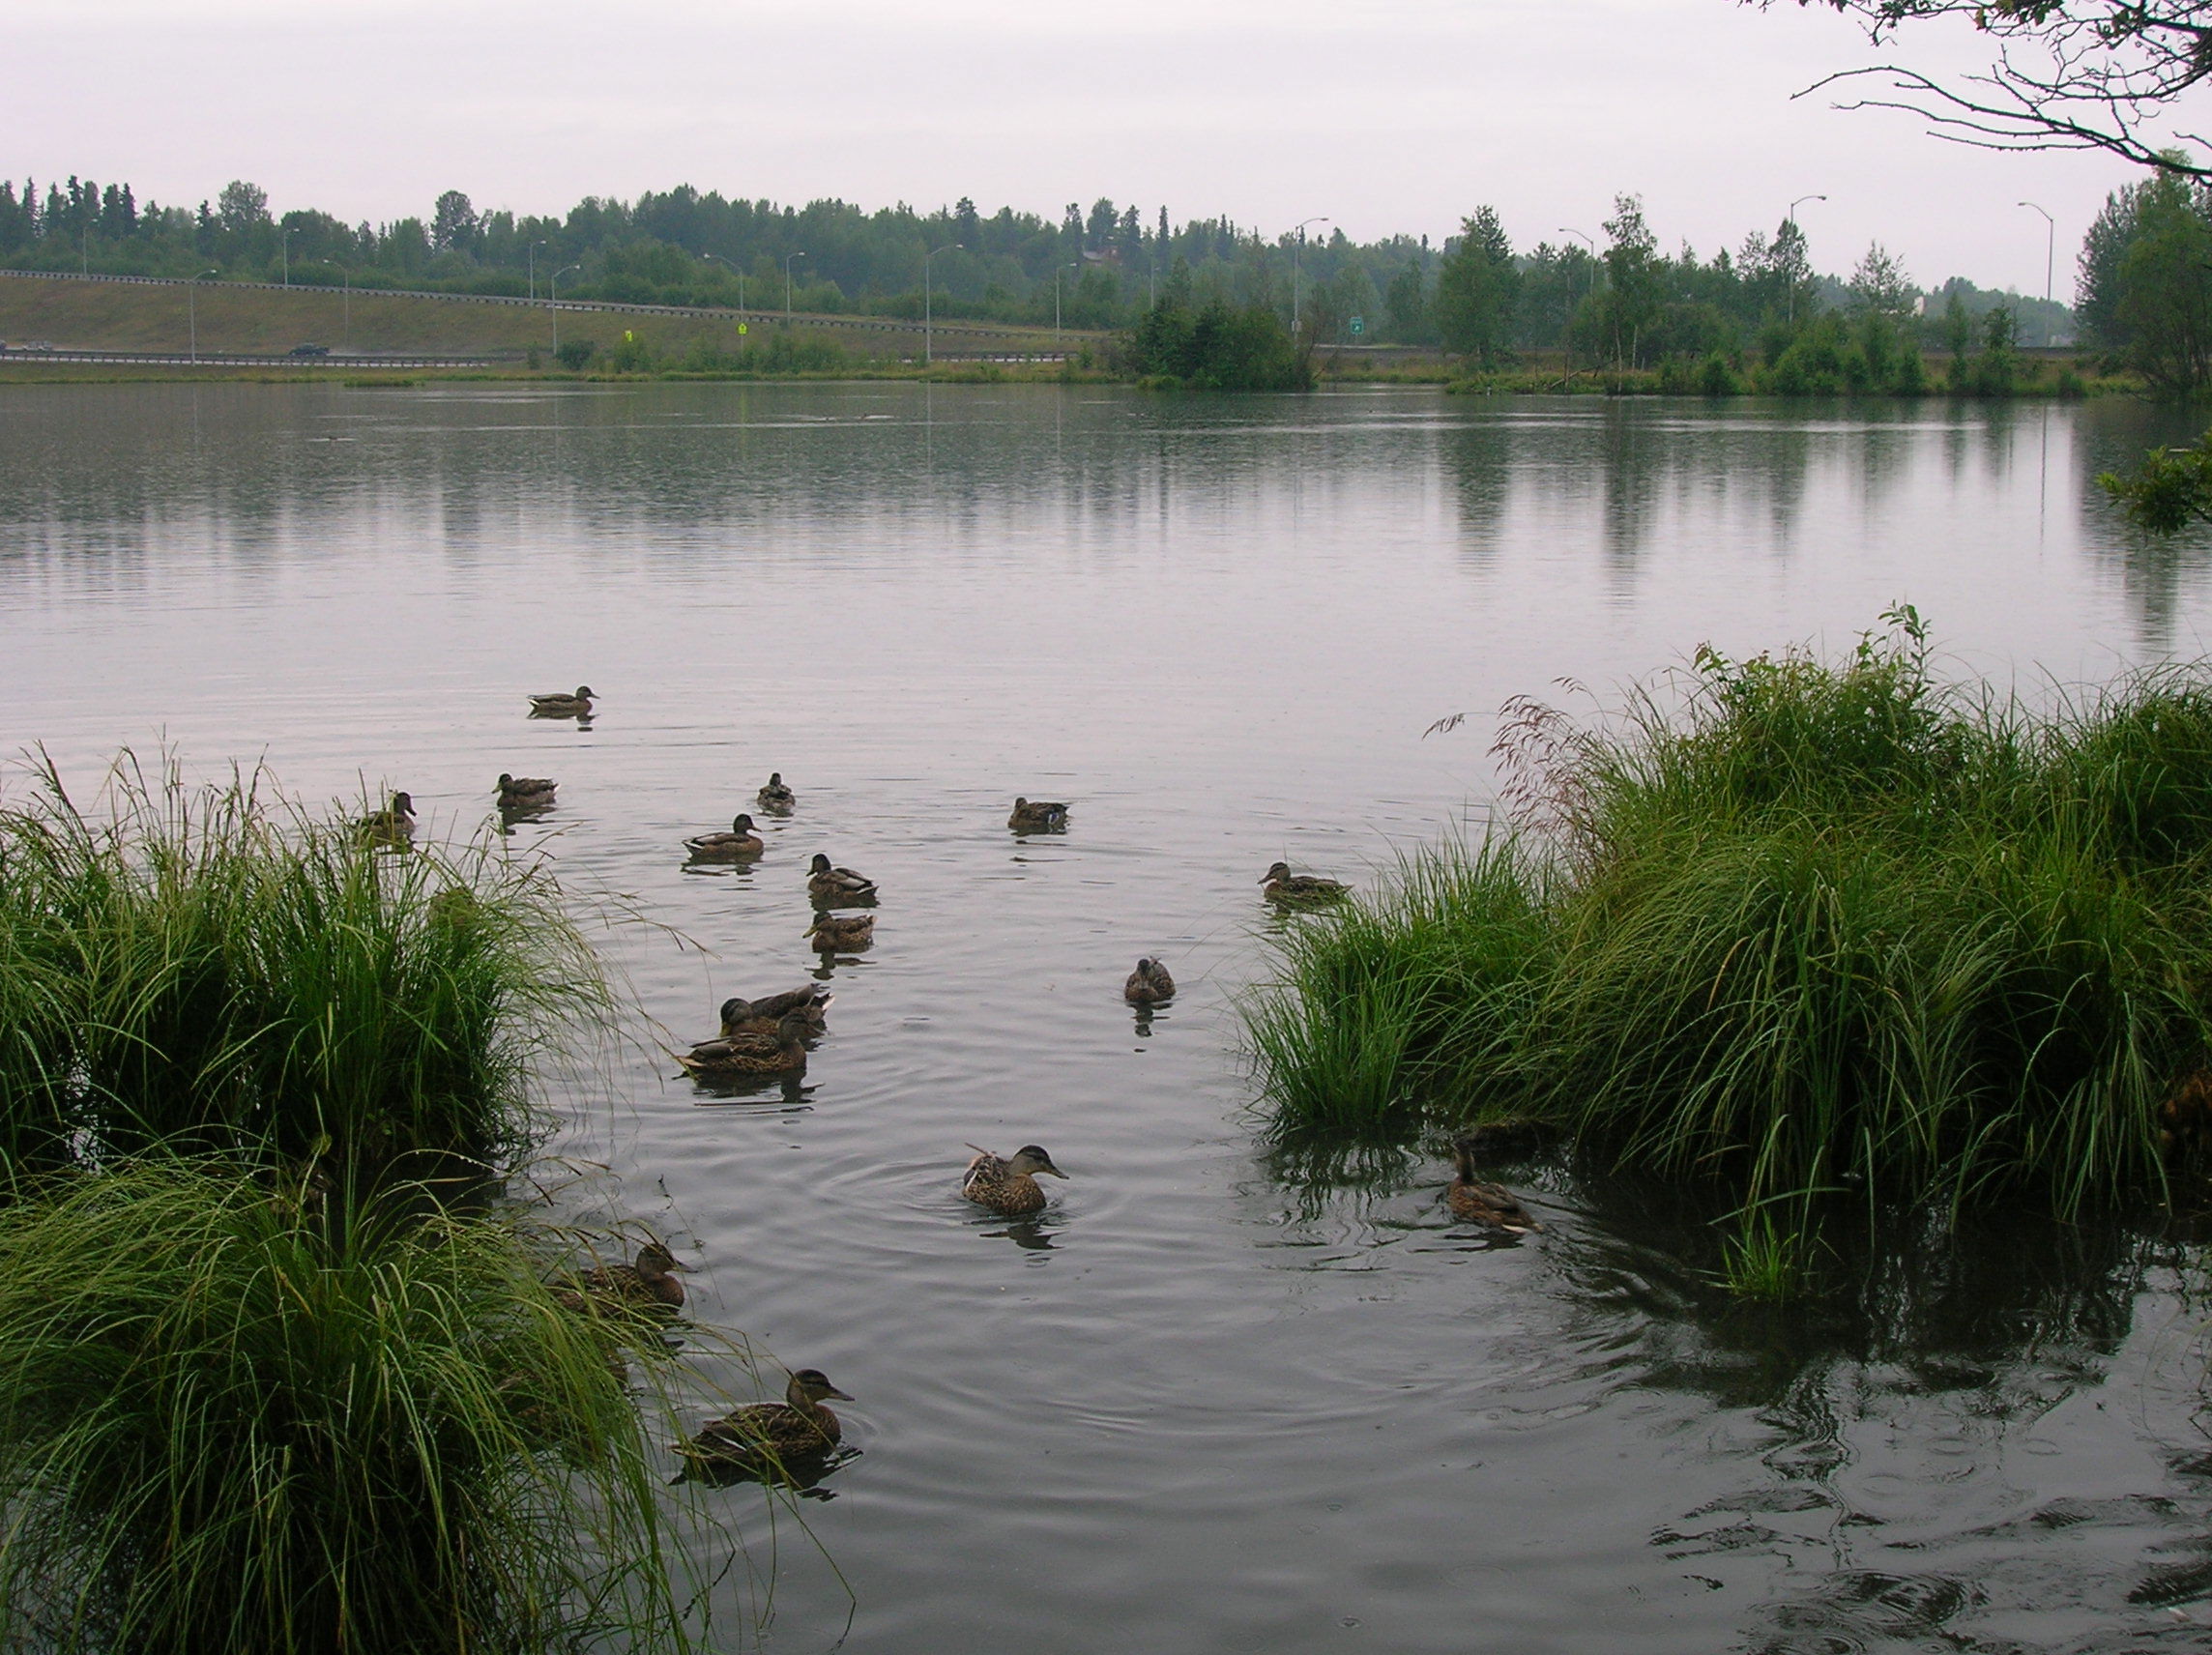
(212, 970)
(1792, 925)
(227, 1425)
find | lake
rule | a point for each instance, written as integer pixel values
(1203, 1404)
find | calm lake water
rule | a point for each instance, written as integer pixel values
(1199, 1405)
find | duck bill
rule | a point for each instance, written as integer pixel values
(1053, 1172)
(840, 1396)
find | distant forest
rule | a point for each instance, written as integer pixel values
(1099, 269)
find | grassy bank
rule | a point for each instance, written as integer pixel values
(1790, 926)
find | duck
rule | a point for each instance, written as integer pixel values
(1037, 816)
(1283, 885)
(1008, 1187)
(738, 842)
(837, 888)
(651, 1283)
(1148, 983)
(1474, 1202)
(749, 1053)
(525, 793)
(558, 706)
(774, 797)
(751, 1437)
(834, 932)
(393, 825)
(761, 1016)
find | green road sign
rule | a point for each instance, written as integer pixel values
(1358, 326)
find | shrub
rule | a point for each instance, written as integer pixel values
(574, 354)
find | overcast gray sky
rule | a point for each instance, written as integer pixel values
(1383, 114)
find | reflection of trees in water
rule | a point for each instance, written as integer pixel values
(2153, 572)
(1894, 1405)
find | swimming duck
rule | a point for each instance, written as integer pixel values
(577, 706)
(1474, 1202)
(833, 933)
(1283, 885)
(395, 825)
(837, 888)
(799, 1426)
(1008, 1187)
(525, 793)
(1037, 816)
(781, 1053)
(775, 797)
(761, 1016)
(1148, 983)
(738, 842)
(649, 1284)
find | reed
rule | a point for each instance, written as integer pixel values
(212, 970)
(227, 1424)
(1799, 926)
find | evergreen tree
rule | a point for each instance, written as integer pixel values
(1476, 286)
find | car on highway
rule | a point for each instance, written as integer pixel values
(309, 351)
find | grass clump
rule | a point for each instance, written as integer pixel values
(205, 969)
(229, 1421)
(1805, 925)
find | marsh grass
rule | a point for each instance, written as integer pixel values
(1794, 927)
(212, 970)
(227, 1424)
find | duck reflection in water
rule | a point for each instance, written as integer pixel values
(1030, 1235)
(790, 1091)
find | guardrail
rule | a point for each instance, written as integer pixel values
(812, 319)
(243, 358)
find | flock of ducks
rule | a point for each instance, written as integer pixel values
(769, 1035)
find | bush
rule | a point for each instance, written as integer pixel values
(1217, 348)
(1818, 921)
(574, 354)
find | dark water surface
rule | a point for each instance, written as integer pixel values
(1198, 1406)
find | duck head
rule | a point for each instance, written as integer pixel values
(653, 1262)
(735, 1011)
(1275, 871)
(403, 804)
(810, 1385)
(743, 825)
(1032, 1158)
(820, 864)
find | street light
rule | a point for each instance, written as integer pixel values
(553, 285)
(925, 319)
(734, 270)
(2050, 246)
(1297, 240)
(193, 308)
(1057, 269)
(542, 242)
(345, 301)
(786, 258)
(284, 245)
(1789, 221)
(1568, 230)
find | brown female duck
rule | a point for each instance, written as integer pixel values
(525, 793)
(775, 797)
(1283, 885)
(393, 825)
(782, 1052)
(1472, 1201)
(1037, 816)
(1149, 984)
(841, 933)
(1008, 1187)
(648, 1284)
(836, 887)
(761, 1016)
(558, 706)
(768, 1432)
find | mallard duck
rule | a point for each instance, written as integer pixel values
(762, 1016)
(393, 825)
(774, 797)
(1283, 885)
(1010, 1186)
(648, 1284)
(781, 1053)
(1474, 1202)
(837, 888)
(799, 1426)
(739, 842)
(525, 793)
(836, 933)
(1148, 983)
(1037, 816)
(557, 706)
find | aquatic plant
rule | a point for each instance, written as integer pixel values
(1802, 925)
(211, 969)
(228, 1424)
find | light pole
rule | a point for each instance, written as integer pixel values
(345, 303)
(542, 242)
(2050, 246)
(284, 252)
(926, 357)
(1297, 240)
(193, 308)
(1584, 235)
(1790, 222)
(786, 258)
(553, 286)
(1057, 269)
(734, 270)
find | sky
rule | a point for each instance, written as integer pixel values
(1380, 115)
